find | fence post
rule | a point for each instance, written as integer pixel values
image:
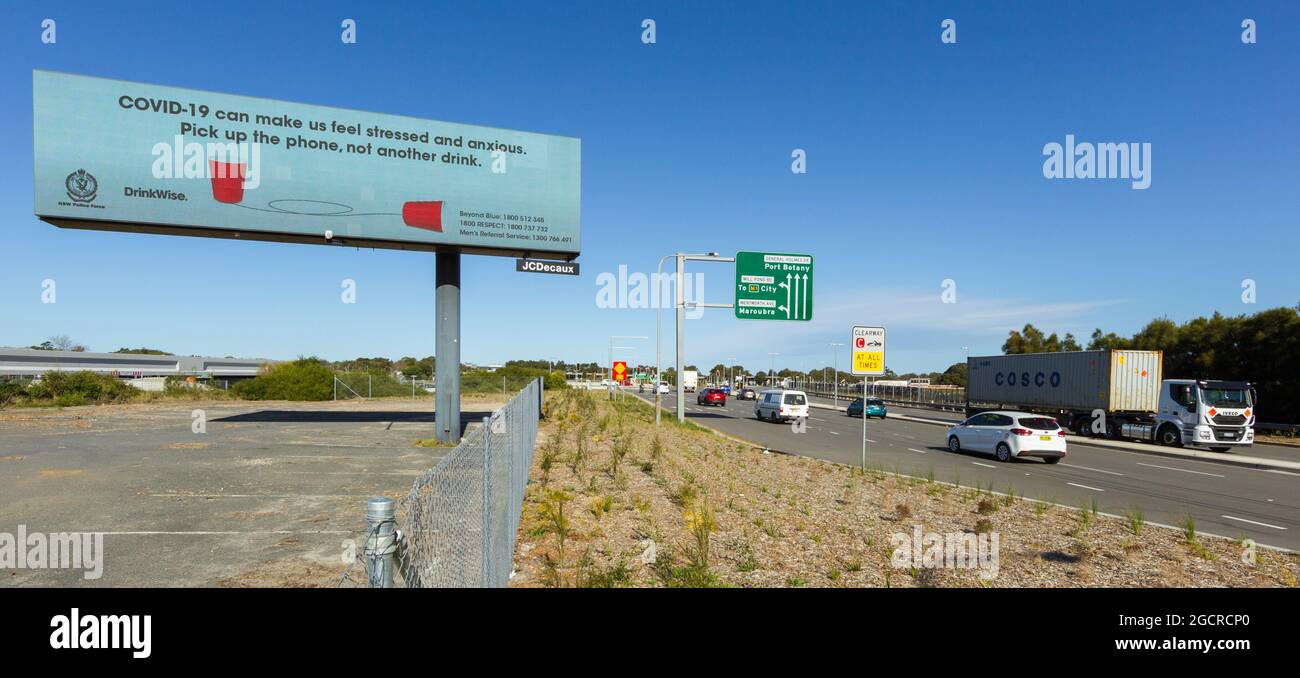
(381, 543)
(485, 531)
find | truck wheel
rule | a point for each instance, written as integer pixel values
(1003, 452)
(1112, 431)
(1169, 436)
(1082, 426)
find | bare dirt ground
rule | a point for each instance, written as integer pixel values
(267, 494)
(613, 502)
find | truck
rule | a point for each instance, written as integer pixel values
(1116, 394)
(690, 378)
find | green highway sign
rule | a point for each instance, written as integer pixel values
(774, 286)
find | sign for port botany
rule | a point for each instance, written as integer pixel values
(126, 156)
(868, 351)
(773, 286)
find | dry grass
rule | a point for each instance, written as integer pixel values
(681, 506)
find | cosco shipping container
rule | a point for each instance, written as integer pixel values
(1109, 380)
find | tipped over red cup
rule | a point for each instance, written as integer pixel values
(425, 214)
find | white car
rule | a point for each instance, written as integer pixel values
(781, 405)
(663, 388)
(1007, 435)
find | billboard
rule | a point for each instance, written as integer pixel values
(126, 156)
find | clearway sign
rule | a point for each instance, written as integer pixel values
(868, 351)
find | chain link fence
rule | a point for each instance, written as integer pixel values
(457, 525)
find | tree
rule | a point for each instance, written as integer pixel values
(141, 351)
(59, 343)
(1106, 341)
(955, 375)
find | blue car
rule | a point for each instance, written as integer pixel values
(875, 408)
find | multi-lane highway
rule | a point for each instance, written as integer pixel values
(1232, 501)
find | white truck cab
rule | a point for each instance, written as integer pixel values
(1215, 415)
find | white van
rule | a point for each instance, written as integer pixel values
(781, 404)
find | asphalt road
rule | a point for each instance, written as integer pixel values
(1226, 500)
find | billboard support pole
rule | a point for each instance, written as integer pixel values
(446, 374)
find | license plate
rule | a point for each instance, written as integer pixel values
(1044, 437)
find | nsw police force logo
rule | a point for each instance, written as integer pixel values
(81, 186)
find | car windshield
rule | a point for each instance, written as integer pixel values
(794, 399)
(1039, 423)
(1225, 397)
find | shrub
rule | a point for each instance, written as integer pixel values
(302, 379)
(11, 391)
(79, 388)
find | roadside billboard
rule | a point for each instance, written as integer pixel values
(125, 156)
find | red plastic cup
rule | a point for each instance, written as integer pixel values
(227, 181)
(423, 214)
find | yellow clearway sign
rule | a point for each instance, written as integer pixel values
(868, 350)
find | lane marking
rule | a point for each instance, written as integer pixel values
(1089, 468)
(1171, 468)
(979, 463)
(1285, 473)
(913, 449)
(1086, 487)
(1254, 522)
(834, 433)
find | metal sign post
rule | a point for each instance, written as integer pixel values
(868, 360)
(680, 303)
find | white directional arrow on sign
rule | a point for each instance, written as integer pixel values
(805, 297)
(787, 295)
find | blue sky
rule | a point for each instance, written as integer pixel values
(924, 164)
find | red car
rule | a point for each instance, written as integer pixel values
(711, 396)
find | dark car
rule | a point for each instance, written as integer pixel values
(711, 396)
(875, 408)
